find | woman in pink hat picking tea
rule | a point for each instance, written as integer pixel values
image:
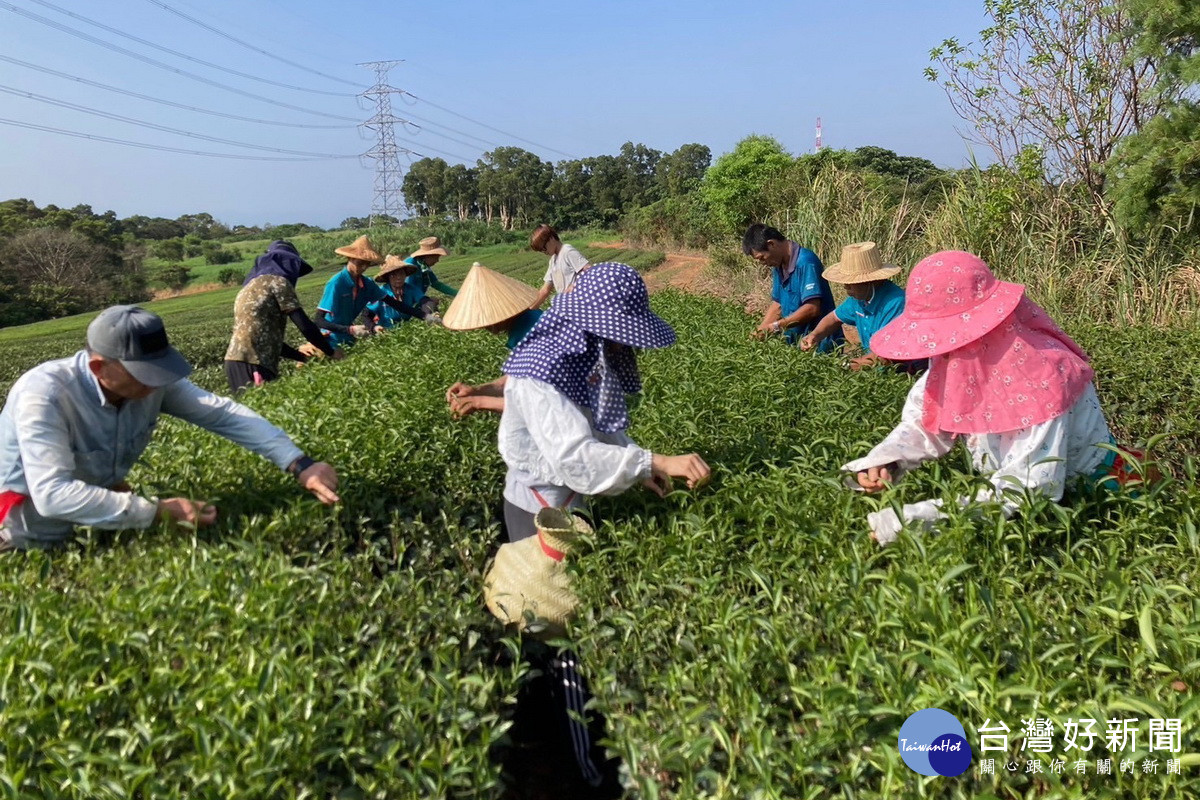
(1003, 376)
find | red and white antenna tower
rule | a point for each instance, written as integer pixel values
(817, 149)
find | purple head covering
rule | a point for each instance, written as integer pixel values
(583, 345)
(281, 259)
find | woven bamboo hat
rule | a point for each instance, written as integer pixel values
(860, 263)
(486, 298)
(528, 584)
(390, 265)
(361, 249)
(429, 246)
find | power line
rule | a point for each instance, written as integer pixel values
(178, 54)
(487, 142)
(259, 50)
(433, 150)
(105, 86)
(161, 65)
(485, 125)
(154, 126)
(145, 146)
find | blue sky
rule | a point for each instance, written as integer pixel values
(574, 78)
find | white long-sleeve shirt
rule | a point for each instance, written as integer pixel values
(62, 444)
(550, 447)
(1041, 458)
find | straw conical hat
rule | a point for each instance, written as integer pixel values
(361, 249)
(486, 298)
(390, 265)
(860, 263)
(528, 585)
(429, 246)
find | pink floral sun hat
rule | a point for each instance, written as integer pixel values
(951, 299)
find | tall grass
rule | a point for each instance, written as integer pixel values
(1075, 262)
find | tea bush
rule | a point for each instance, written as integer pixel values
(744, 640)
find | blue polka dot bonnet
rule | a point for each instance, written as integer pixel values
(582, 345)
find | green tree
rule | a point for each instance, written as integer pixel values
(680, 172)
(1155, 173)
(1061, 75)
(734, 186)
(512, 185)
(462, 191)
(424, 187)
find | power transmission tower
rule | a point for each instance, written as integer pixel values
(388, 201)
(820, 143)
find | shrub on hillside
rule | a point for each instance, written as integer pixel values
(173, 276)
(230, 276)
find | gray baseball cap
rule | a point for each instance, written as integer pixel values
(137, 339)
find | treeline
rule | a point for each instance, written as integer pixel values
(60, 261)
(515, 188)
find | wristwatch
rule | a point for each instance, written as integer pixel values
(299, 465)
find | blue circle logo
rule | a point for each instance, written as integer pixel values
(933, 742)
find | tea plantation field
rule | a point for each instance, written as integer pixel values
(745, 641)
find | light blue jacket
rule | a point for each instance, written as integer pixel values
(62, 444)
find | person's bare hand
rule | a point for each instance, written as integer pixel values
(808, 342)
(459, 389)
(180, 509)
(322, 480)
(690, 467)
(359, 331)
(875, 479)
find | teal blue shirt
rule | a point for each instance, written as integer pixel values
(872, 315)
(389, 317)
(344, 300)
(796, 284)
(523, 325)
(423, 278)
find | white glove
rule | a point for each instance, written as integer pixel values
(885, 525)
(434, 319)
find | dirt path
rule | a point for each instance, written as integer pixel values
(685, 271)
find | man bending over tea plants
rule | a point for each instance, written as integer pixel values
(800, 296)
(1004, 378)
(72, 429)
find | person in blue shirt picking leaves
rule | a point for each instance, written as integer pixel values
(800, 296)
(393, 277)
(873, 302)
(348, 293)
(423, 258)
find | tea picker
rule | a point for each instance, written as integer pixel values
(873, 301)
(72, 429)
(498, 304)
(427, 254)
(562, 431)
(266, 302)
(347, 293)
(1004, 378)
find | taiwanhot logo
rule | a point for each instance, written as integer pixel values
(933, 742)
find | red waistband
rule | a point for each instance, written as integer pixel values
(9, 501)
